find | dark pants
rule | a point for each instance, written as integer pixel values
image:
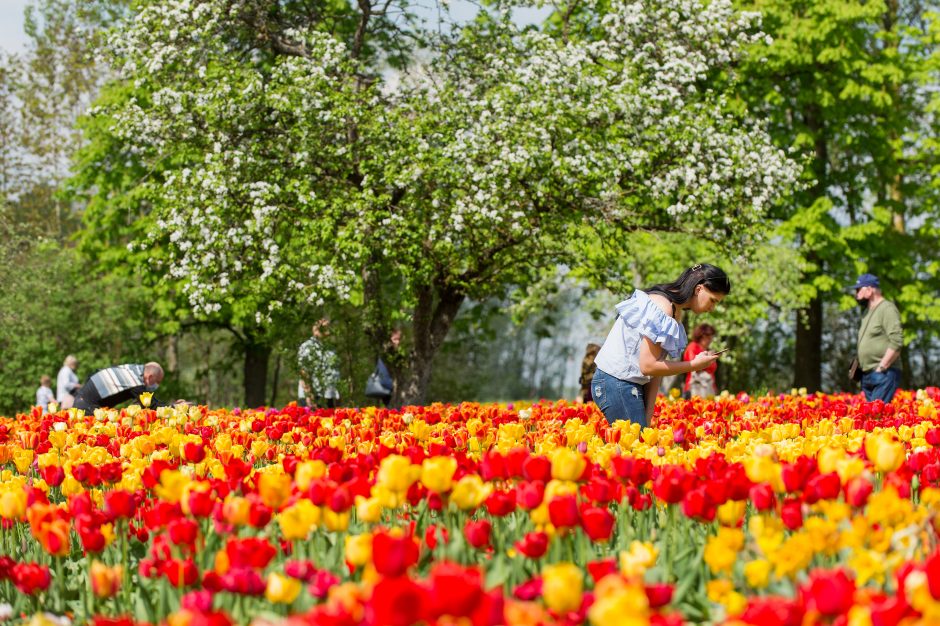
(317, 403)
(881, 385)
(618, 399)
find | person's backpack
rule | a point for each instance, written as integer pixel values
(375, 385)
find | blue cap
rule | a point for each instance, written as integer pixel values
(866, 280)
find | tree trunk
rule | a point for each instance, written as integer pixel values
(256, 373)
(809, 321)
(172, 353)
(808, 362)
(275, 381)
(433, 318)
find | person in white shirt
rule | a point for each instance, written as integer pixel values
(648, 327)
(67, 383)
(44, 394)
(319, 370)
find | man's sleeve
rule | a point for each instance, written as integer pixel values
(892, 324)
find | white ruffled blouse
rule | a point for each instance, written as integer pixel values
(638, 317)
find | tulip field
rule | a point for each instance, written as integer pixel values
(782, 509)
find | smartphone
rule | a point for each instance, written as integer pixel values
(720, 352)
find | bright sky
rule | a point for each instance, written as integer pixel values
(12, 37)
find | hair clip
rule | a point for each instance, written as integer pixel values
(696, 267)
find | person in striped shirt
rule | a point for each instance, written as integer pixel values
(119, 383)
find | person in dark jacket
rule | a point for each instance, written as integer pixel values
(587, 373)
(119, 383)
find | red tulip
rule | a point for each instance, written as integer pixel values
(795, 475)
(529, 590)
(91, 537)
(301, 570)
(534, 545)
(478, 532)
(183, 531)
(602, 568)
(822, 487)
(830, 593)
(431, 535)
(763, 497)
(244, 581)
(341, 500)
(253, 552)
(672, 484)
(791, 513)
(53, 475)
(120, 504)
(323, 580)
(180, 573)
(30, 578)
(454, 590)
(537, 468)
(659, 594)
(392, 556)
(933, 436)
(201, 503)
(598, 523)
(771, 611)
(857, 491)
(501, 503)
(397, 601)
(493, 467)
(932, 567)
(529, 494)
(194, 452)
(563, 511)
(697, 504)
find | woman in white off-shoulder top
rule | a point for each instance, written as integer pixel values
(632, 359)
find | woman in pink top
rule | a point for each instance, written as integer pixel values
(701, 383)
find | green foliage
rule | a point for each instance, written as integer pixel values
(51, 305)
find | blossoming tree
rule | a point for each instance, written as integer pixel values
(314, 153)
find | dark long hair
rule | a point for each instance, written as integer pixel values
(682, 289)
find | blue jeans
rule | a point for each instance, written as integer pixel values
(618, 399)
(881, 385)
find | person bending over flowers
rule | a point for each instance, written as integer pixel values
(632, 359)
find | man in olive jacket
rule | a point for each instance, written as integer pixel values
(880, 339)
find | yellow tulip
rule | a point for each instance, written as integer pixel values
(640, 557)
(13, 504)
(172, 484)
(884, 452)
(274, 488)
(757, 573)
(359, 549)
(396, 473)
(335, 522)
(568, 464)
(23, 459)
(105, 581)
(235, 510)
(618, 603)
(437, 473)
(828, 459)
(259, 447)
(282, 589)
(469, 492)
(297, 520)
(562, 587)
(731, 512)
(307, 472)
(368, 510)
